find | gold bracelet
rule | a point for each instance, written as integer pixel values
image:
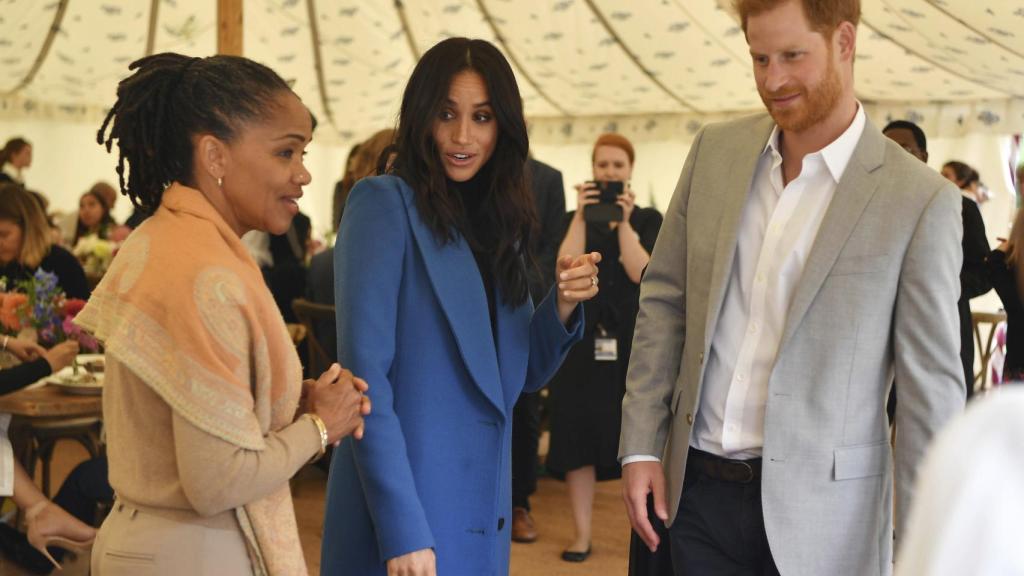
(322, 429)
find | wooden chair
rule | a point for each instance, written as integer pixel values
(309, 315)
(991, 320)
(297, 332)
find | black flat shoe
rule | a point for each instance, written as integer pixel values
(570, 556)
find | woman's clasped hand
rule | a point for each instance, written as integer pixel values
(339, 399)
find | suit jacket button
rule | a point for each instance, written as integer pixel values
(501, 523)
(700, 358)
(689, 419)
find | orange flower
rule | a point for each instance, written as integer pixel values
(9, 305)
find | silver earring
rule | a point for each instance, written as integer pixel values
(220, 182)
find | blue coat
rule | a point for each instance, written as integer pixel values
(433, 468)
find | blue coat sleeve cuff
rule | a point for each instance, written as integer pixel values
(550, 340)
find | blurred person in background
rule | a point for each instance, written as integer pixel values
(320, 276)
(15, 157)
(967, 180)
(342, 188)
(586, 393)
(94, 218)
(48, 526)
(1006, 271)
(26, 244)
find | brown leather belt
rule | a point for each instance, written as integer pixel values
(724, 469)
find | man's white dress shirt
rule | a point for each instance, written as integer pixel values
(776, 233)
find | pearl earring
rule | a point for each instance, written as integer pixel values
(220, 182)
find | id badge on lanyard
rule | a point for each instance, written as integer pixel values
(606, 346)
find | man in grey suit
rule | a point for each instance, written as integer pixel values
(805, 260)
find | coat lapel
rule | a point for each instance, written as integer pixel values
(737, 187)
(513, 350)
(856, 188)
(456, 281)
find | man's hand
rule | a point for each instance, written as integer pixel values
(638, 480)
(418, 563)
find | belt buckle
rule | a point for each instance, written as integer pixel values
(746, 475)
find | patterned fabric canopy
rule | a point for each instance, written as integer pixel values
(659, 65)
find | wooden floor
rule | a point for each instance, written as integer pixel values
(541, 558)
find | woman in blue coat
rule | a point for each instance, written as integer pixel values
(433, 311)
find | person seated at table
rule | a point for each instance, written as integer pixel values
(36, 362)
(84, 489)
(26, 244)
(47, 525)
(94, 217)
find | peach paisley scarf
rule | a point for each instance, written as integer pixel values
(185, 307)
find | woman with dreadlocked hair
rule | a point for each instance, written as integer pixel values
(203, 383)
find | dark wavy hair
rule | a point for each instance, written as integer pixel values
(965, 174)
(168, 99)
(508, 212)
(12, 147)
(105, 224)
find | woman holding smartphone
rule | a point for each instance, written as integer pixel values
(586, 394)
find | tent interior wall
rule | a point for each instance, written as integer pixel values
(654, 70)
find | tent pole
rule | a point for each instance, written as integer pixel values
(229, 27)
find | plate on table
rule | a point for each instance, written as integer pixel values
(93, 363)
(83, 383)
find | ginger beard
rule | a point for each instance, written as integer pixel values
(816, 103)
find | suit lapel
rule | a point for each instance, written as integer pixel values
(457, 284)
(736, 187)
(858, 185)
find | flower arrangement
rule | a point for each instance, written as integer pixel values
(38, 303)
(94, 253)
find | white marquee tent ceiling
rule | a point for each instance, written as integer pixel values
(954, 65)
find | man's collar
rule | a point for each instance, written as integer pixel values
(838, 153)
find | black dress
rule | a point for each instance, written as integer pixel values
(586, 394)
(1004, 280)
(70, 275)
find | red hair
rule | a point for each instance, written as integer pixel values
(824, 15)
(615, 141)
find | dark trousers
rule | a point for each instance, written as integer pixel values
(85, 487)
(643, 562)
(719, 529)
(525, 437)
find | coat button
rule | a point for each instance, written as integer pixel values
(689, 419)
(700, 358)
(501, 523)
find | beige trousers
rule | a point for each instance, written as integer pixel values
(141, 541)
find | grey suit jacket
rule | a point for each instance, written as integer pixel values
(877, 299)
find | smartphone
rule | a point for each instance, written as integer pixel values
(607, 210)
